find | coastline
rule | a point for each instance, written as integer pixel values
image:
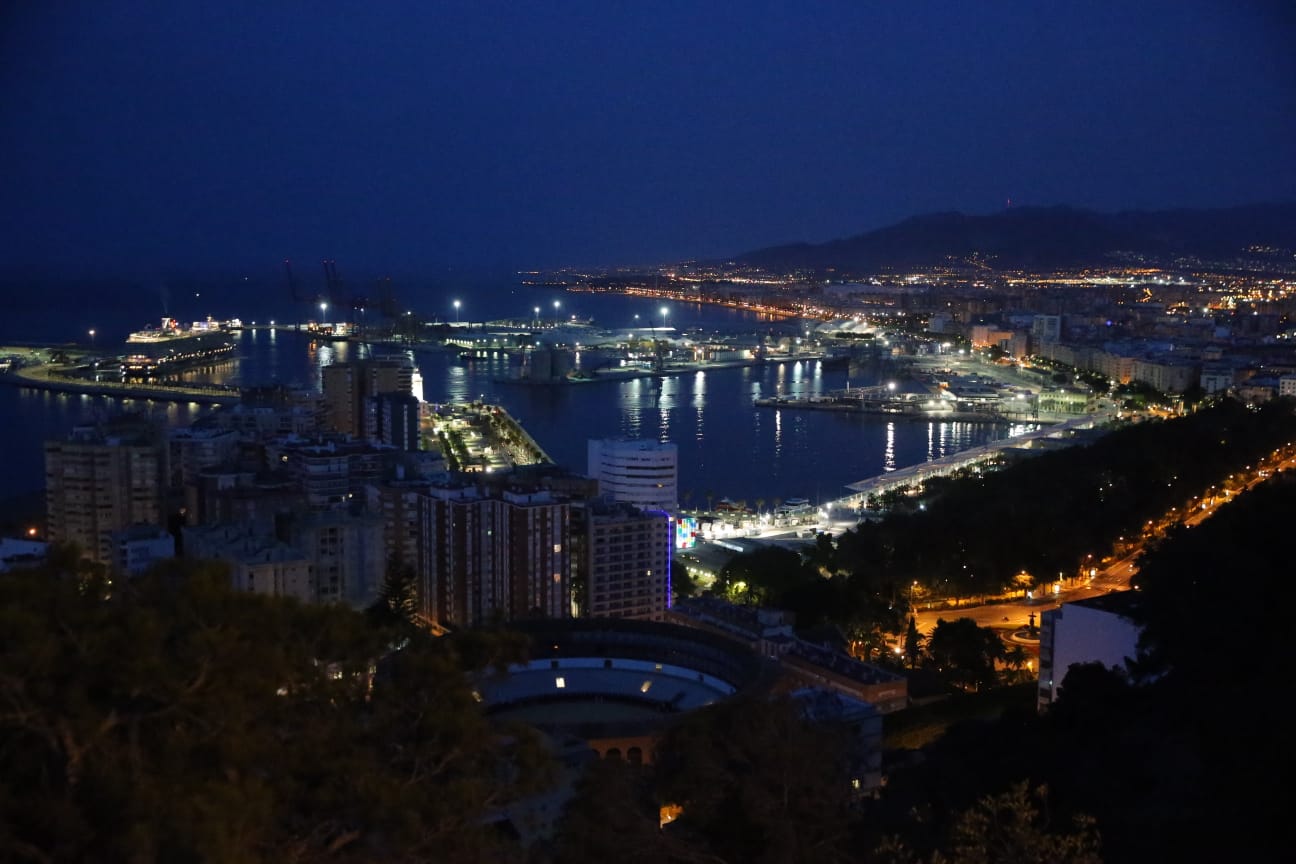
(44, 378)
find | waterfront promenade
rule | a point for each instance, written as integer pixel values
(914, 475)
(56, 379)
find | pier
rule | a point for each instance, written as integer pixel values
(50, 378)
(914, 475)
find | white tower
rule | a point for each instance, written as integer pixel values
(639, 472)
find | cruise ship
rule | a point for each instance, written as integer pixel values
(170, 331)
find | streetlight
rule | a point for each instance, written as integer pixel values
(537, 314)
(664, 313)
(323, 312)
(92, 332)
(456, 305)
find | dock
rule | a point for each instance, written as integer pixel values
(49, 378)
(928, 405)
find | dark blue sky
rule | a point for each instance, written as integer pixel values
(148, 137)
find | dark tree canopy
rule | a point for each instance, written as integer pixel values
(170, 719)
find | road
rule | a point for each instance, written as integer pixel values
(1116, 575)
(1012, 615)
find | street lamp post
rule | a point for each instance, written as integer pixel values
(92, 334)
(537, 315)
(456, 307)
(323, 313)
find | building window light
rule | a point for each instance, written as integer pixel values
(560, 682)
(643, 688)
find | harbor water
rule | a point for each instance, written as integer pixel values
(728, 447)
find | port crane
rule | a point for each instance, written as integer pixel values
(334, 294)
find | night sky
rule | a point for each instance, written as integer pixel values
(150, 137)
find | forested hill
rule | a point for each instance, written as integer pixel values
(1052, 237)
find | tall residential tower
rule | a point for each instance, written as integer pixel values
(642, 473)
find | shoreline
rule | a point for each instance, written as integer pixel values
(30, 377)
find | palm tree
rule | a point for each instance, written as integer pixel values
(710, 496)
(760, 505)
(686, 496)
(1015, 659)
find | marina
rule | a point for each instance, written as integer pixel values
(698, 382)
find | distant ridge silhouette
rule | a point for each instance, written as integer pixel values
(1046, 237)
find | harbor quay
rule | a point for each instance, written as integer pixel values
(61, 378)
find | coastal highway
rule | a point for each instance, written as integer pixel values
(1117, 574)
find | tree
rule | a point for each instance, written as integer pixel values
(397, 601)
(758, 783)
(1010, 828)
(174, 719)
(683, 583)
(913, 643)
(766, 576)
(612, 816)
(965, 652)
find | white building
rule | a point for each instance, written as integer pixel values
(259, 564)
(639, 472)
(139, 547)
(1096, 630)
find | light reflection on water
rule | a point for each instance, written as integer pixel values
(726, 444)
(699, 407)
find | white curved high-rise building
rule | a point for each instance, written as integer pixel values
(640, 472)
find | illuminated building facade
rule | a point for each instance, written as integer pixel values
(640, 472)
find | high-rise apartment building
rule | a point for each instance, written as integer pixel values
(640, 472)
(621, 559)
(345, 550)
(331, 472)
(103, 479)
(396, 501)
(393, 419)
(349, 387)
(488, 553)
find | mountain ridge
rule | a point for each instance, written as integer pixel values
(1047, 236)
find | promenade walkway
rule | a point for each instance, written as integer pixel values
(56, 379)
(915, 474)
